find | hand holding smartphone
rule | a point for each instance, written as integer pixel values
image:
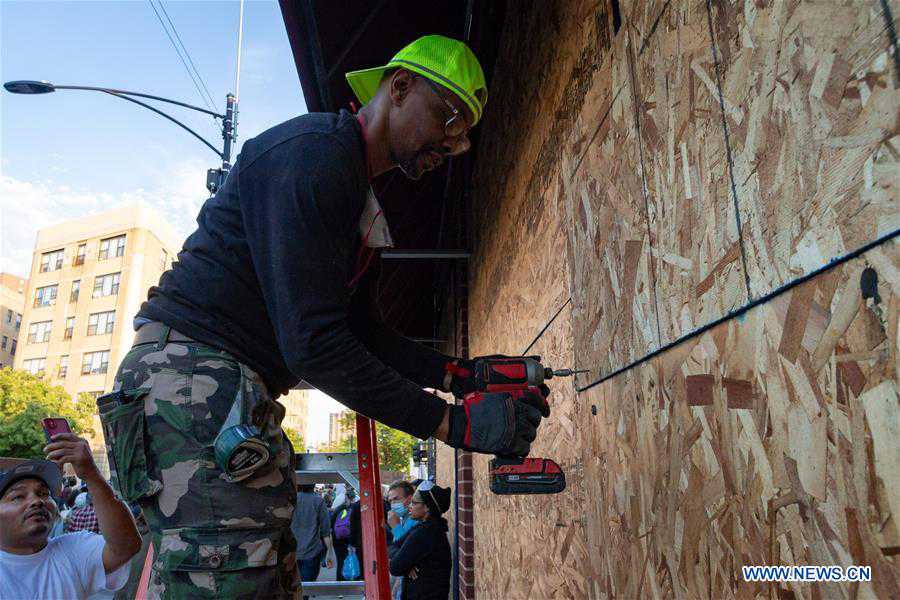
(54, 425)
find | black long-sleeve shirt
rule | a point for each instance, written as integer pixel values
(426, 548)
(266, 276)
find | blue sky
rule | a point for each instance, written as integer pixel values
(72, 153)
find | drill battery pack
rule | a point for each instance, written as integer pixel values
(511, 476)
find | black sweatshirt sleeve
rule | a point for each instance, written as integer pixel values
(299, 202)
(417, 545)
(414, 361)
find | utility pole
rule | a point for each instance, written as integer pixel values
(215, 178)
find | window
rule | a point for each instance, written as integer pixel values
(70, 328)
(93, 395)
(12, 349)
(4, 343)
(52, 261)
(163, 260)
(79, 257)
(9, 315)
(95, 363)
(18, 321)
(101, 323)
(35, 366)
(63, 365)
(106, 285)
(76, 289)
(39, 332)
(45, 296)
(114, 246)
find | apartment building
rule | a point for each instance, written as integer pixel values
(336, 431)
(88, 279)
(12, 303)
(296, 404)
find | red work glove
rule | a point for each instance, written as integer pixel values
(498, 423)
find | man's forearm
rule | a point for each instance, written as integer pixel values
(116, 523)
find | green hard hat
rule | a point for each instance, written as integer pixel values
(443, 60)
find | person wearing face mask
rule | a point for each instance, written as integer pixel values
(400, 495)
(424, 558)
(399, 523)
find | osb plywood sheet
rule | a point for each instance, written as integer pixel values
(694, 240)
(538, 88)
(813, 115)
(613, 312)
(534, 286)
(534, 546)
(641, 18)
(771, 439)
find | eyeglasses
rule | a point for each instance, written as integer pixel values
(426, 486)
(455, 128)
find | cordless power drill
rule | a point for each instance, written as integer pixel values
(510, 474)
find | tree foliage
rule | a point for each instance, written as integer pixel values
(394, 446)
(25, 399)
(296, 439)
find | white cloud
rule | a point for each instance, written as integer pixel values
(256, 65)
(27, 206)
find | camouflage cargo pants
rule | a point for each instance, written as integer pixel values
(213, 538)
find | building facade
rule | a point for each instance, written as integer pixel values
(88, 278)
(12, 303)
(296, 417)
(337, 433)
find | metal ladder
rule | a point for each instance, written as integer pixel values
(361, 471)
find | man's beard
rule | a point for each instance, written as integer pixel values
(410, 166)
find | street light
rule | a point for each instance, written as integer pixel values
(214, 177)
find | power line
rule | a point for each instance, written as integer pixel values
(186, 53)
(835, 262)
(177, 51)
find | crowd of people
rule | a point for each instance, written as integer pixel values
(71, 537)
(328, 529)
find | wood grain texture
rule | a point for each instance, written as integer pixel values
(614, 315)
(603, 176)
(694, 240)
(726, 452)
(813, 115)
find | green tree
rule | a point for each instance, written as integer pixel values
(296, 439)
(25, 399)
(393, 445)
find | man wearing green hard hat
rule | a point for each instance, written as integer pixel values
(277, 285)
(433, 77)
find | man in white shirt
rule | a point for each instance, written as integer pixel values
(74, 565)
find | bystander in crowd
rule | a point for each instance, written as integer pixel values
(424, 556)
(73, 565)
(311, 526)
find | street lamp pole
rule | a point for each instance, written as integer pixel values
(214, 177)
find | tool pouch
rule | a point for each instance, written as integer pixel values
(251, 435)
(124, 423)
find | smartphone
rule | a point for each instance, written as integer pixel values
(54, 425)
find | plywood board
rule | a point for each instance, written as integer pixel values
(811, 104)
(614, 316)
(534, 546)
(745, 447)
(694, 240)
